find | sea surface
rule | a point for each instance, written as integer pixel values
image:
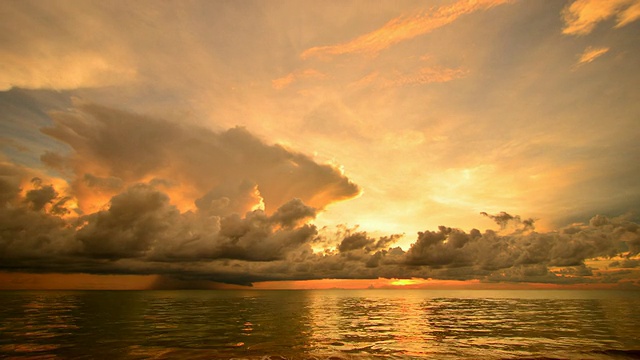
(320, 324)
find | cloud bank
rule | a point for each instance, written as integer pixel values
(251, 215)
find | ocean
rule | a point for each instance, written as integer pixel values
(320, 324)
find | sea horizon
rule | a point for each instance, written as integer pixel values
(320, 324)
(299, 179)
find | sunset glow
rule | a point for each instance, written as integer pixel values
(300, 144)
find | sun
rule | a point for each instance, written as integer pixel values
(406, 282)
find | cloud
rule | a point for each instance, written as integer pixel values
(504, 219)
(361, 241)
(113, 149)
(403, 28)
(444, 247)
(11, 176)
(582, 16)
(289, 79)
(422, 76)
(625, 264)
(243, 200)
(493, 252)
(134, 221)
(141, 232)
(591, 53)
(188, 202)
(41, 195)
(426, 75)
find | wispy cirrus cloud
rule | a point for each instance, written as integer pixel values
(283, 82)
(591, 53)
(582, 16)
(427, 75)
(403, 28)
(422, 76)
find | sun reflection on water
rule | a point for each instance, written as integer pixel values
(342, 324)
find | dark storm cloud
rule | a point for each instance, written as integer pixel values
(33, 238)
(41, 195)
(140, 223)
(140, 231)
(135, 220)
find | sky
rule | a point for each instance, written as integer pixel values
(391, 143)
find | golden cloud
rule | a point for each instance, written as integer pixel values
(403, 28)
(582, 16)
(427, 75)
(591, 53)
(285, 81)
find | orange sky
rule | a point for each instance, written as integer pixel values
(269, 141)
(23, 281)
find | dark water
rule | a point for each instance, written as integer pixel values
(320, 324)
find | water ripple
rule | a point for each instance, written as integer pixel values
(317, 324)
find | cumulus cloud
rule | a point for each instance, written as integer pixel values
(625, 264)
(403, 28)
(504, 219)
(582, 16)
(141, 232)
(361, 241)
(134, 221)
(41, 195)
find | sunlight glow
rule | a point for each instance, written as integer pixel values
(405, 282)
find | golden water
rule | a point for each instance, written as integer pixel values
(320, 324)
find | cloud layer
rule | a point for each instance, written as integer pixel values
(142, 233)
(141, 163)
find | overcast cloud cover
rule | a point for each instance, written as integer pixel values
(254, 141)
